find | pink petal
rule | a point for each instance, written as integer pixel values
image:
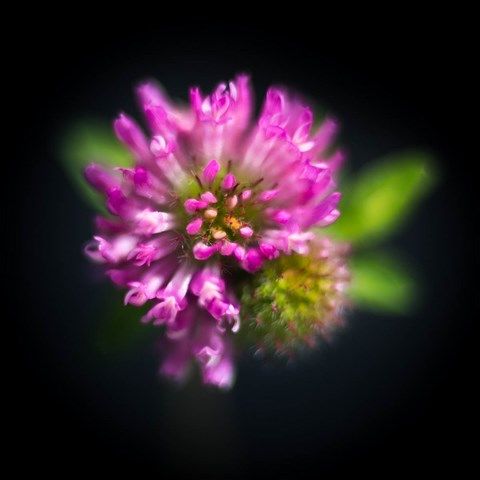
(229, 181)
(210, 171)
(194, 226)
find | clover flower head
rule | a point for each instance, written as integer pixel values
(212, 193)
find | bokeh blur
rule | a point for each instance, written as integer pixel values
(390, 393)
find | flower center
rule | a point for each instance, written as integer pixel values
(221, 208)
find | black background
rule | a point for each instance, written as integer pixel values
(391, 395)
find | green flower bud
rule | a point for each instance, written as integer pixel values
(296, 299)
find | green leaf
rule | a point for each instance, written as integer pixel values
(86, 142)
(382, 197)
(120, 328)
(382, 282)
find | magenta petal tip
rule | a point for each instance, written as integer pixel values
(210, 171)
(267, 195)
(229, 181)
(202, 251)
(194, 226)
(208, 197)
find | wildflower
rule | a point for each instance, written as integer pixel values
(211, 191)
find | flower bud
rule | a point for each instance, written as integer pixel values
(295, 299)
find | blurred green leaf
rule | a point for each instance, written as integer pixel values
(86, 142)
(381, 198)
(120, 328)
(382, 282)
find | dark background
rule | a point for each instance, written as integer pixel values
(391, 395)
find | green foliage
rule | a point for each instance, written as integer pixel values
(375, 205)
(382, 282)
(86, 142)
(377, 202)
